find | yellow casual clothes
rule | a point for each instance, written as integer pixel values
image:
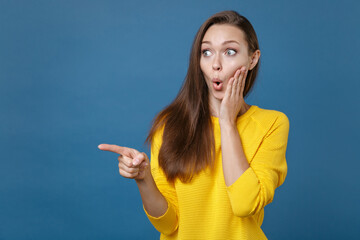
(206, 208)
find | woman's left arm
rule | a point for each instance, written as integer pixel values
(234, 160)
(251, 186)
(233, 157)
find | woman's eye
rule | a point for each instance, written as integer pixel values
(206, 53)
(230, 52)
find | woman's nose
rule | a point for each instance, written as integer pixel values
(216, 64)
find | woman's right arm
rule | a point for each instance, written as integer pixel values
(154, 202)
(135, 165)
(158, 196)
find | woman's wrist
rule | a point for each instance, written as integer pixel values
(148, 179)
(154, 202)
(227, 123)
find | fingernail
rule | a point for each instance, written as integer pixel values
(136, 161)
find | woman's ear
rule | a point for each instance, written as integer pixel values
(254, 59)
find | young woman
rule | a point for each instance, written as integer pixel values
(215, 160)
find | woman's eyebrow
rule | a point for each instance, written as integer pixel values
(226, 42)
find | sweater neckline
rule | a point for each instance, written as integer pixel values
(243, 116)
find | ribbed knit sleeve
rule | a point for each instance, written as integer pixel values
(255, 188)
(167, 223)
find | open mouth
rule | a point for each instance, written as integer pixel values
(217, 85)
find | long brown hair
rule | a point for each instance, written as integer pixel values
(188, 139)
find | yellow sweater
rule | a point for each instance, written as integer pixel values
(206, 208)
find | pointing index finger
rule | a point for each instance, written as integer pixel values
(128, 152)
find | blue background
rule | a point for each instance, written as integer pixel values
(74, 74)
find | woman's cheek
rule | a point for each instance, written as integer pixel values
(233, 70)
(239, 66)
(239, 62)
(235, 65)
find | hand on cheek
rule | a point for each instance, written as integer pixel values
(233, 99)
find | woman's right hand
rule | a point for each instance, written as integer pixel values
(135, 165)
(132, 163)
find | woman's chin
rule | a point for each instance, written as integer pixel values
(218, 96)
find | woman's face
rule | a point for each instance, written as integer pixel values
(223, 51)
